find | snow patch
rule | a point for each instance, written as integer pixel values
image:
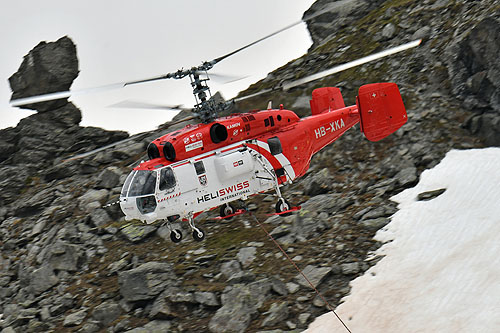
(441, 269)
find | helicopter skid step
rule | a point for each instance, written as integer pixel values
(293, 209)
(238, 212)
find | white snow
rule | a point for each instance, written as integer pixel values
(441, 270)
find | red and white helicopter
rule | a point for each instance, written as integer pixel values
(220, 160)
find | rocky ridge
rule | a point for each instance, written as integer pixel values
(68, 264)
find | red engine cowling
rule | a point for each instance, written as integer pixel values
(381, 110)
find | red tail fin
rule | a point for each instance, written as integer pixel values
(381, 109)
(325, 99)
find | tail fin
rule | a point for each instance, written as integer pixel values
(326, 99)
(381, 110)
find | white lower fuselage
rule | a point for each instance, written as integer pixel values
(209, 180)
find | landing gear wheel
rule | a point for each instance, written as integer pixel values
(226, 210)
(176, 235)
(283, 205)
(198, 234)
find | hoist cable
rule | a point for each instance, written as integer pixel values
(301, 273)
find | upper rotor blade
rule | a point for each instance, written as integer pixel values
(216, 60)
(336, 69)
(305, 19)
(352, 64)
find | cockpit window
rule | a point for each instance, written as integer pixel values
(167, 179)
(127, 183)
(143, 183)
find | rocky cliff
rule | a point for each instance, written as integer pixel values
(70, 263)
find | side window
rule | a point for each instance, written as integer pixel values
(274, 145)
(266, 122)
(167, 180)
(272, 120)
(199, 167)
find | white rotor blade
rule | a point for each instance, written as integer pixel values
(62, 94)
(352, 64)
(336, 69)
(131, 104)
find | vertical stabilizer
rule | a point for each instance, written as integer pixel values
(381, 110)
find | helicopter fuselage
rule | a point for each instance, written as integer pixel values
(201, 167)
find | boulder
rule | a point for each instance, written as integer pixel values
(65, 256)
(314, 274)
(43, 279)
(240, 305)
(136, 233)
(206, 298)
(146, 281)
(107, 312)
(276, 314)
(155, 326)
(75, 318)
(246, 255)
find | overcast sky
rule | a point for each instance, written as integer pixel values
(126, 40)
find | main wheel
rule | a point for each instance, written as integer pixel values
(176, 235)
(198, 235)
(226, 210)
(283, 205)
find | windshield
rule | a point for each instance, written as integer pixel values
(143, 183)
(167, 179)
(127, 183)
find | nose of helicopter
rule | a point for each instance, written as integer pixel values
(137, 199)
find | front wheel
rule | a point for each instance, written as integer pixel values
(198, 234)
(176, 235)
(281, 206)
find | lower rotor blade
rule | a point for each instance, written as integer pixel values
(129, 104)
(63, 94)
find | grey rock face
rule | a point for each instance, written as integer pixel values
(52, 66)
(276, 314)
(350, 268)
(230, 267)
(315, 275)
(66, 257)
(108, 178)
(43, 279)
(75, 318)
(246, 255)
(338, 14)
(206, 298)
(239, 305)
(407, 177)
(155, 326)
(475, 71)
(146, 281)
(137, 233)
(106, 313)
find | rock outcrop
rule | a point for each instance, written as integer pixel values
(52, 66)
(69, 263)
(474, 72)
